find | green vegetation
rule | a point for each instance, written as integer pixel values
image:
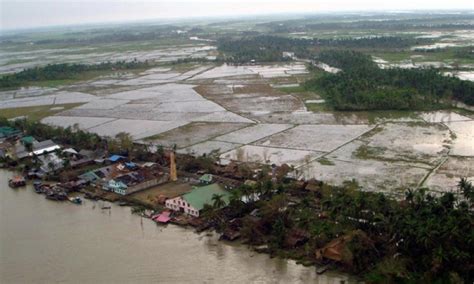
(381, 239)
(62, 73)
(325, 161)
(266, 48)
(36, 113)
(372, 23)
(364, 86)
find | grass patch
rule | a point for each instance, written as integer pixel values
(86, 76)
(36, 113)
(365, 152)
(318, 107)
(324, 161)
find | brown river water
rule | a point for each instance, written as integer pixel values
(43, 241)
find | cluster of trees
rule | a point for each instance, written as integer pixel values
(122, 143)
(364, 86)
(373, 22)
(263, 48)
(63, 71)
(419, 237)
(68, 136)
(270, 48)
(464, 52)
(108, 36)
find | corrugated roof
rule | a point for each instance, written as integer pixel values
(89, 176)
(28, 140)
(202, 195)
(6, 131)
(206, 178)
(115, 158)
(44, 144)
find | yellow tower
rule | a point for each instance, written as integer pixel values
(173, 173)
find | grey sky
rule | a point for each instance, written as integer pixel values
(16, 14)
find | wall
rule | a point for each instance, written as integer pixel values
(147, 184)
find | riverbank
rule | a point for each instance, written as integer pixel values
(44, 241)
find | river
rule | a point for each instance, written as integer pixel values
(43, 241)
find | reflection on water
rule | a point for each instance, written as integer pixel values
(43, 241)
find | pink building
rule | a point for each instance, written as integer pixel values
(193, 202)
(179, 204)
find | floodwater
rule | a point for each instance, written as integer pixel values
(43, 241)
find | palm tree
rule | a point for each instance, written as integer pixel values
(466, 189)
(125, 141)
(218, 202)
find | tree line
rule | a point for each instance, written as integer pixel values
(364, 86)
(63, 71)
(421, 237)
(269, 48)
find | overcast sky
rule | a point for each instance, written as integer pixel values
(17, 14)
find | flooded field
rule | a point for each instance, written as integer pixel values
(235, 111)
(13, 61)
(243, 112)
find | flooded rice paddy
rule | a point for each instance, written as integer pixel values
(235, 112)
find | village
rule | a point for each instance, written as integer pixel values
(156, 190)
(64, 173)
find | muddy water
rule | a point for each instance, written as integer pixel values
(43, 241)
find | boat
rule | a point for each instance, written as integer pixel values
(61, 196)
(38, 186)
(57, 196)
(322, 269)
(16, 181)
(76, 200)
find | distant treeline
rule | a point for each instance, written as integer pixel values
(364, 86)
(420, 22)
(113, 36)
(63, 71)
(270, 48)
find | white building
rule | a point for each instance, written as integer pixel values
(193, 202)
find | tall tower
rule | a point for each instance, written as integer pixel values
(173, 173)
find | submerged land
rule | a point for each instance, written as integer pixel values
(349, 107)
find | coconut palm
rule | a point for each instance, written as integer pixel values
(218, 202)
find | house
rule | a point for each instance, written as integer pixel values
(28, 140)
(89, 177)
(116, 186)
(71, 153)
(7, 132)
(193, 202)
(98, 174)
(131, 166)
(288, 54)
(50, 163)
(116, 158)
(5, 149)
(20, 152)
(46, 146)
(206, 179)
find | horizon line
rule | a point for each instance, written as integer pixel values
(220, 17)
